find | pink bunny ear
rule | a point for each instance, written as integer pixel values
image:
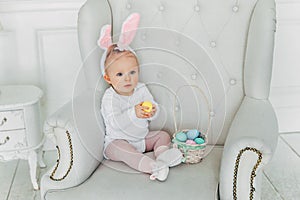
(104, 40)
(128, 30)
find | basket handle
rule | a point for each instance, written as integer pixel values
(207, 103)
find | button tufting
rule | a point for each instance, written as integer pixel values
(213, 44)
(212, 113)
(176, 108)
(235, 8)
(177, 42)
(159, 75)
(144, 37)
(161, 8)
(197, 8)
(193, 76)
(128, 6)
(232, 81)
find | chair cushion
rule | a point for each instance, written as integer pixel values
(114, 180)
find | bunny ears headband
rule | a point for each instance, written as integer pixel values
(128, 31)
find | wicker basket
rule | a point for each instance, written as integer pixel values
(192, 153)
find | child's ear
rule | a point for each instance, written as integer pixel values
(107, 79)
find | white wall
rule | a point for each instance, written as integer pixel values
(39, 46)
(285, 91)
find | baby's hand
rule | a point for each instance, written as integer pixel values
(153, 111)
(140, 111)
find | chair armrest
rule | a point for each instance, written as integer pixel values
(250, 144)
(77, 130)
(258, 61)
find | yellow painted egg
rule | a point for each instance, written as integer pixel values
(147, 104)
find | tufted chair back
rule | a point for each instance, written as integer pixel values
(208, 64)
(198, 58)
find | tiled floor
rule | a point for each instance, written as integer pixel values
(281, 179)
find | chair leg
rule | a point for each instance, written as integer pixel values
(217, 196)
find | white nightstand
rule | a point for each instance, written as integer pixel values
(20, 128)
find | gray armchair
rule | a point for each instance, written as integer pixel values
(223, 47)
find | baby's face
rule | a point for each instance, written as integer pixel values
(123, 74)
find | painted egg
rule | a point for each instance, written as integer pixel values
(190, 142)
(147, 104)
(181, 136)
(199, 140)
(192, 134)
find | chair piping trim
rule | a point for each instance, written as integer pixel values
(253, 173)
(57, 162)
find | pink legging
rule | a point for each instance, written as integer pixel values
(121, 150)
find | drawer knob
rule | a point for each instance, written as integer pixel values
(5, 141)
(3, 121)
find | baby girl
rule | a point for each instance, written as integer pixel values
(126, 119)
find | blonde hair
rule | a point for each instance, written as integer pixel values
(113, 54)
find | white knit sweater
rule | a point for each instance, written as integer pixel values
(119, 116)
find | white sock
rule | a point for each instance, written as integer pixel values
(171, 157)
(160, 171)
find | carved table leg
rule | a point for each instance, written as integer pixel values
(32, 160)
(41, 159)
